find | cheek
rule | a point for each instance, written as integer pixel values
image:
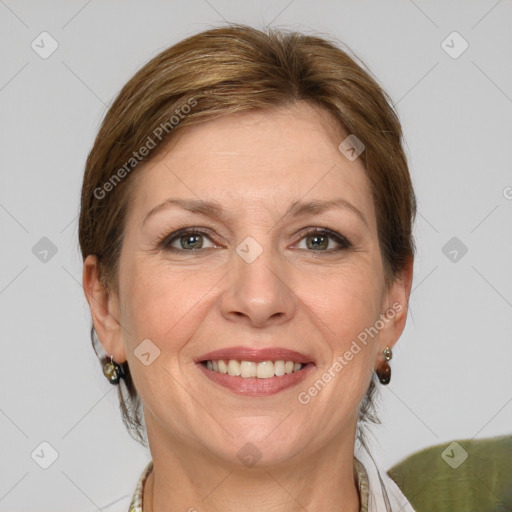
(346, 300)
(347, 305)
(163, 303)
(163, 307)
(160, 301)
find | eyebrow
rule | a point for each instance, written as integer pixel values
(215, 210)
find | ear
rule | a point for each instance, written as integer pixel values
(395, 307)
(104, 306)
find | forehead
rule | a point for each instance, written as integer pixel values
(269, 157)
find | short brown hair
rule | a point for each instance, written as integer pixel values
(226, 70)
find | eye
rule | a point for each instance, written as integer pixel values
(193, 239)
(188, 239)
(319, 240)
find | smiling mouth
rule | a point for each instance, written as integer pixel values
(252, 369)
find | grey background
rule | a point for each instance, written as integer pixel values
(452, 374)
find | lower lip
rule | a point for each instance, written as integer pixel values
(253, 386)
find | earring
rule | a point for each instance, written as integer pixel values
(112, 371)
(384, 370)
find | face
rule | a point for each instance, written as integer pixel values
(283, 266)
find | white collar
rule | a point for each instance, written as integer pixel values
(384, 495)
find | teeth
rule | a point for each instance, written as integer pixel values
(233, 367)
(279, 369)
(223, 367)
(247, 369)
(265, 370)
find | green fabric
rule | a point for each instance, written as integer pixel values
(481, 483)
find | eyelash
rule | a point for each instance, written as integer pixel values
(164, 242)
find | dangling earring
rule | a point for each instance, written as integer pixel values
(112, 371)
(383, 371)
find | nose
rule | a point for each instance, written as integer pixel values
(258, 293)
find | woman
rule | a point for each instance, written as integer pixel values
(246, 228)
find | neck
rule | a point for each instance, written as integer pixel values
(191, 480)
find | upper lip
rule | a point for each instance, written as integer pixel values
(255, 354)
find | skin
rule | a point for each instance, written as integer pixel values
(293, 295)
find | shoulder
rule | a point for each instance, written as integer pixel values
(471, 474)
